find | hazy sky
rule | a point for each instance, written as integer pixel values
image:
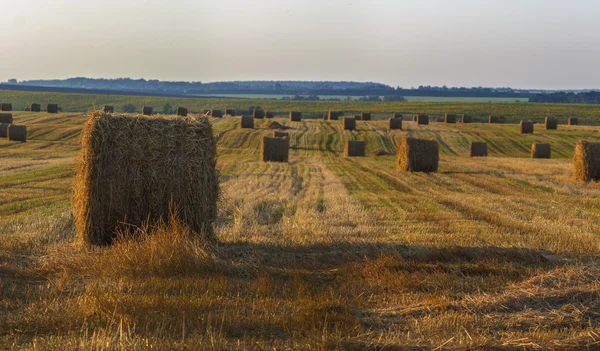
(518, 43)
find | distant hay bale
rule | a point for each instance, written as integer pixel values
(216, 113)
(365, 116)
(332, 116)
(496, 119)
(526, 127)
(52, 108)
(258, 113)
(572, 121)
(109, 109)
(395, 123)
(295, 116)
(136, 171)
(6, 106)
(16, 132)
(450, 118)
(247, 122)
(439, 119)
(3, 129)
(417, 155)
(550, 123)
(147, 110)
(6, 118)
(182, 111)
(478, 149)
(422, 119)
(27, 109)
(539, 150)
(35, 108)
(348, 123)
(586, 162)
(229, 112)
(278, 134)
(397, 115)
(358, 117)
(274, 149)
(467, 119)
(269, 114)
(354, 148)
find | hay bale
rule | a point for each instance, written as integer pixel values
(467, 119)
(229, 112)
(247, 122)
(3, 129)
(332, 116)
(417, 155)
(258, 113)
(366, 116)
(295, 116)
(269, 114)
(109, 109)
(27, 109)
(278, 134)
(182, 111)
(6, 118)
(422, 119)
(395, 123)
(550, 123)
(586, 162)
(15, 132)
(354, 148)
(348, 123)
(450, 118)
(147, 110)
(216, 113)
(539, 150)
(6, 106)
(496, 119)
(478, 149)
(136, 170)
(526, 127)
(52, 108)
(358, 117)
(572, 121)
(274, 149)
(35, 108)
(397, 115)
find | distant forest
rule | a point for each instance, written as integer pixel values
(590, 97)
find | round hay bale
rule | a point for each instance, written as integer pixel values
(6, 118)
(16, 132)
(147, 110)
(395, 123)
(3, 129)
(354, 148)
(216, 113)
(467, 119)
(109, 109)
(550, 123)
(5, 106)
(358, 117)
(586, 161)
(478, 149)
(422, 119)
(526, 127)
(247, 122)
(349, 123)
(573, 121)
(496, 119)
(258, 113)
(274, 149)
(332, 116)
(229, 112)
(52, 108)
(417, 155)
(539, 150)
(295, 116)
(450, 118)
(35, 108)
(182, 111)
(365, 116)
(137, 171)
(269, 114)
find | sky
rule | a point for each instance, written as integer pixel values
(544, 44)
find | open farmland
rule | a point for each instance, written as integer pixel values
(323, 252)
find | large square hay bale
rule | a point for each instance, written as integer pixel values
(550, 123)
(147, 110)
(274, 149)
(136, 170)
(496, 119)
(365, 116)
(6, 106)
(3, 129)
(52, 108)
(258, 113)
(354, 148)
(16, 132)
(539, 150)
(109, 109)
(417, 155)
(182, 111)
(229, 112)
(295, 116)
(247, 122)
(572, 121)
(450, 118)
(586, 162)
(278, 134)
(269, 114)
(395, 123)
(526, 127)
(349, 123)
(397, 115)
(422, 119)
(332, 116)
(467, 119)
(478, 149)
(216, 113)
(6, 118)
(35, 108)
